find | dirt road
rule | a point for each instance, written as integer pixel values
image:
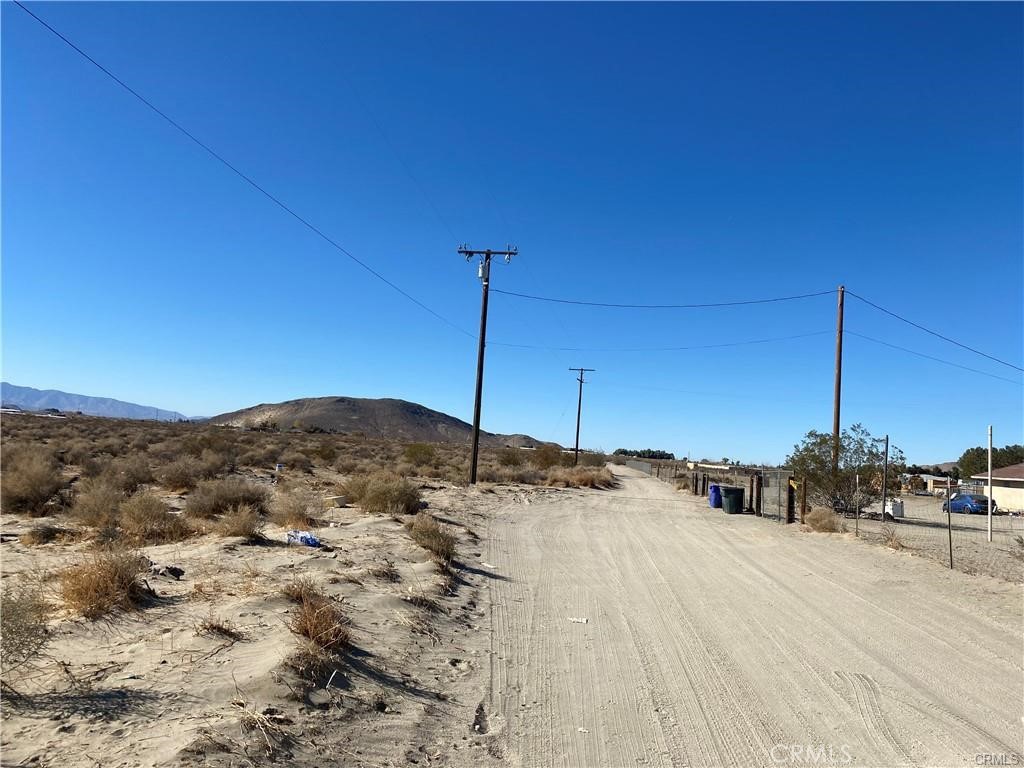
(714, 640)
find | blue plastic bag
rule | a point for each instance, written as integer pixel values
(303, 537)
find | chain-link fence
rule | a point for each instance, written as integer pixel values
(920, 526)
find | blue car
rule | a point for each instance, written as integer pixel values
(968, 504)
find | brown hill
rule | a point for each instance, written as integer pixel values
(381, 418)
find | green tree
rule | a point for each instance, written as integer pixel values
(975, 460)
(861, 460)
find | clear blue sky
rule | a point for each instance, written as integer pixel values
(668, 153)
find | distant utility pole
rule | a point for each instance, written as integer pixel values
(579, 411)
(484, 273)
(839, 386)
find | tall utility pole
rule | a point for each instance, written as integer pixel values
(484, 273)
(885, 479)
(579, 411)
(839, 385)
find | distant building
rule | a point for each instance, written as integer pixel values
(1007, 486)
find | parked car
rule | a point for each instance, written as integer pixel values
(968, 504)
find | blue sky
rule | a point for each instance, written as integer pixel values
(669, 153)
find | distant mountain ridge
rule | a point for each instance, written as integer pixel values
(384, 418)
(30, 399)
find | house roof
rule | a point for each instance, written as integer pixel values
(1012, 472)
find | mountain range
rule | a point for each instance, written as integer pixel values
(29, 399)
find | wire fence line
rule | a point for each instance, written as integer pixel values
(914, 523)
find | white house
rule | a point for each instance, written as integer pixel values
(1007, 487)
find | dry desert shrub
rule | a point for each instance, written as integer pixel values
(824, 520)
(321, 621)
(107, 582)
(127, 474)
(181, 474)
(385, 571)
(593, 459)
(579, 477)
(383, 493)
(242, 520)
(510, 457)
(297, 461)
(97, 503)
(426, 532)
(145, 519)
(891, 537)
(30, 479)
(295, 507)
(214, 625)
(419, 454)
(215, 497)
(46, 533)
(23, 631)
(303, 588)
(546, 456)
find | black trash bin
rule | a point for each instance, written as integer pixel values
(732, 500)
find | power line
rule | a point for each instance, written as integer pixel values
(242, 175)
(929, 357)
(664, 306)
(935, 333)
(657, 349)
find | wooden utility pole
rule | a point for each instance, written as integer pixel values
(839, 385)
(579, 411)
(484, 274)
(885, 479)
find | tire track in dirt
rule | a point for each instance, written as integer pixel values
(711, 640)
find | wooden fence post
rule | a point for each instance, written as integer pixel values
(803, 499)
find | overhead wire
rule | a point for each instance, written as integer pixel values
(249, 180)
(934, 333)
(659, 349)
(930, 357)
(705, 305)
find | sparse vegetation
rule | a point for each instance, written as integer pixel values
(109, 581)
(215, 497)
(97, 503)
(46, 533)
(23, 632)
(180, 474)
(302, 588)
(891, 537)
(824, 520)
(30, 479)
(580, 477)
(242, 520)
(321, 621)
(295, 507)
(429, 534)
(546, 456)
(420, 454)
(383, 493)
(145, 519)
(216, 626)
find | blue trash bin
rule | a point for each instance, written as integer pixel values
(714, 496)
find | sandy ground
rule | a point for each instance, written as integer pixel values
(637, 627)
(923, 531)
(632, 627)
(148, 688)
